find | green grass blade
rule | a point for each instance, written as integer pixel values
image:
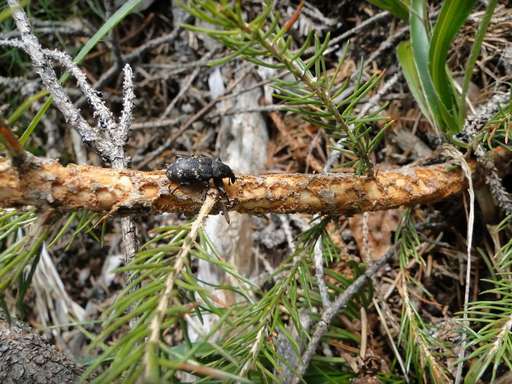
(18, 113)
(37, 118)
(110, 24)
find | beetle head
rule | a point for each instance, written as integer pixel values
(221, 170)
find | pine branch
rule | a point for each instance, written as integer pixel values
(47, 183)
(152, 347)
(492, 343)
(339, 304)
(416, 342)
(315, 92)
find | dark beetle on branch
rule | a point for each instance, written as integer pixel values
(198, 171)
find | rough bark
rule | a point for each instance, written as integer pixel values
(47, 183)
(27, 358)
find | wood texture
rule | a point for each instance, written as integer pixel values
(46, 183)
(26, 358)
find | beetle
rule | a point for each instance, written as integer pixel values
(198, 171)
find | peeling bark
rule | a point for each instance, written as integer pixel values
(46, 183)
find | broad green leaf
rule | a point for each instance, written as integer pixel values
(475, 50)
(453, 15)
(421, 47)
(406, 60)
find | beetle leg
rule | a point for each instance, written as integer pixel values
(178, 185)
(220, 187)
(205, 187)
(174, 190)
(224, 210)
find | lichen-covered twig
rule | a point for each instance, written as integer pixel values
(104, 115)
(109, 137)
(119, 137)
(474, 123)
(47, 74)
(493, 180)
(472, 127)
(13, 43)
(319, 273)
